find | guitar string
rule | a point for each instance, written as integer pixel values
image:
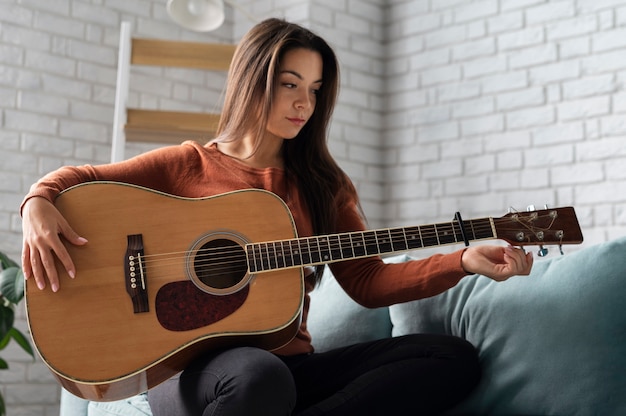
(237, 266)
(368, 237)
(285, 254)
(333, 241)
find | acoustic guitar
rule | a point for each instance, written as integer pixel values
(164, 279)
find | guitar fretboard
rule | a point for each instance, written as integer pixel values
(311, 251)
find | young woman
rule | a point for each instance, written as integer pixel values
(281, 92)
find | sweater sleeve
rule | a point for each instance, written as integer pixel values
(162, 169)
(373, 283)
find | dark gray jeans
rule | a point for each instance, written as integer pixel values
(414, 374)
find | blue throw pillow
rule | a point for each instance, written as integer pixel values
(552, 343)
(335, 320)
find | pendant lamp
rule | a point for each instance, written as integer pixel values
(197, 15)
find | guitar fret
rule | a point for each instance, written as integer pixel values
(256, 258)
(307, 256)
(314, 251)
(322, 255)
(322, 248)
(371, 246)
(289, 260)
(293, 251)
(322, 244)
(274, 257)
(398, 239)
(268, 258)
(262, 257)
(429, 235)
(467, 234)
(421, 237)
(280, 256)
(406, 241)
(358, 246)
(336, 252)
(375, 234)
(375, 243)
(299, 253)
(446, 233)
(383, 242)
(487, 231)
(329, 255)
(316, 255)
(364, 243)
(414, 239)
(459, 234)
(306, 252)
(345, 244)
(392, 241)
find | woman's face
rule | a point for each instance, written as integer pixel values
(295, 93)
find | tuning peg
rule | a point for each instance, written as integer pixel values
(533, 208)
(542, 252)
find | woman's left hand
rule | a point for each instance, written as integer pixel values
(496, 262)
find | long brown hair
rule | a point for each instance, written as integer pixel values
(247, 105)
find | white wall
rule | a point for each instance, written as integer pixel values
(503, 103)
(445, 105)
(57, 86)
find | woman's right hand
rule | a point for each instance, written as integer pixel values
(43, 226)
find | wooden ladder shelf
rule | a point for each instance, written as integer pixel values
(158, 126)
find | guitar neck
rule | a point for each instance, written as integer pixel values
(312, 251)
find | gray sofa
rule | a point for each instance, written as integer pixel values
(552, 343)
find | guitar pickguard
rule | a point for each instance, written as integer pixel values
(181, 306)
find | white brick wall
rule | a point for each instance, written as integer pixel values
(57, 85)
(535, 87)
(445, 105)
(355, 30)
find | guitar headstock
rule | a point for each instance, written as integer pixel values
(540, 227)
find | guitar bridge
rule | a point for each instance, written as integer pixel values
(135, 273)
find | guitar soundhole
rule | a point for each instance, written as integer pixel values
(221, 264)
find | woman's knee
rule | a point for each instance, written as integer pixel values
(244, 380)
(463, 360)
(262, 374)
(454, 356)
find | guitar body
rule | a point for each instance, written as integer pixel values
(120, 328)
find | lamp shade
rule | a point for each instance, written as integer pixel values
(198, 15)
